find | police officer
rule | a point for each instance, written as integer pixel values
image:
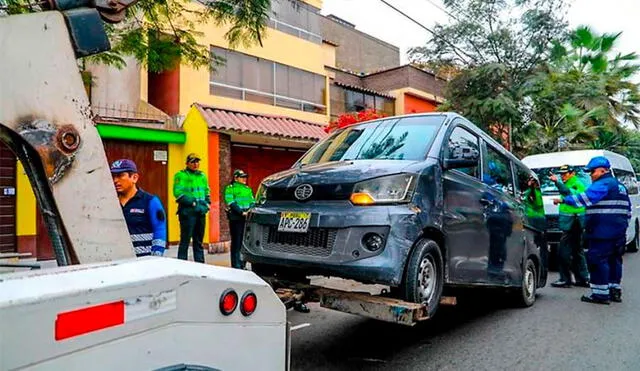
(143, 212)
(608, 210)
(571, 222)
(192, 193)
(239, 199)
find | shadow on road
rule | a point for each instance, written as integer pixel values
(346, 342)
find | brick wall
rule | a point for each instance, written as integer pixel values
(426, 81)
(389, 80)
(348, 78)
(225, 178)
(358, 51)
(406, 76)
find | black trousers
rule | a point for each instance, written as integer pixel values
(191, 227)
(236, 228)
(571, 255)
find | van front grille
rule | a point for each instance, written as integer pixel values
(316, 242)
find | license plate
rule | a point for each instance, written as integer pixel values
(294, 222)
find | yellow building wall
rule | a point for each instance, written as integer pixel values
(316, 3)
(277, 46)
(197, 141)
(26, 204)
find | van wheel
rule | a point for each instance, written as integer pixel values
(424, 276)
(526, 296)
(633, 245)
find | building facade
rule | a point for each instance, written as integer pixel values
(260, 112)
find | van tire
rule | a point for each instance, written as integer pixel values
(526, 296)
(633, 245)
(424, 275)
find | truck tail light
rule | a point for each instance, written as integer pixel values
(228, 302)
(248, 303)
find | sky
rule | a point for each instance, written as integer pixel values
(377, 19)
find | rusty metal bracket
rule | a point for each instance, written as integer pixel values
(55, 145)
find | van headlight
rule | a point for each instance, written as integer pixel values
(261, 195)
(385, 190)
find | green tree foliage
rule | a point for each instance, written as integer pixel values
(497, 45)
(519, 73)
(512, 33)
(159, 33)
(584, 93)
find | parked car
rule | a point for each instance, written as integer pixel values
(416, 202)
(543, 164)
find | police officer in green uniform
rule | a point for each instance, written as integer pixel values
(239, 199)
(571, 222)
(191, 190)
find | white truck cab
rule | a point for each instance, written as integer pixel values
(543, 164)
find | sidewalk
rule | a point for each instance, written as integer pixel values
(222, 260)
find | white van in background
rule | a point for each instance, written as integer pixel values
(543, 164)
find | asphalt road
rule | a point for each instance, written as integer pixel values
(558, 332)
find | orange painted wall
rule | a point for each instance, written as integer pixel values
(414, 104)
(214, 184)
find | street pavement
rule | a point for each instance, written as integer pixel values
(223, 260)
(481, 333)
(558, 333)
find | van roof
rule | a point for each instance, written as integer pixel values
(448, 118)
(576, 158)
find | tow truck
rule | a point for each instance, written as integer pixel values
(101, 308)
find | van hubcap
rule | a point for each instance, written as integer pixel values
(529, 283)
(427, 278)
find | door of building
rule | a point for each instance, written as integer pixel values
(260, 162)
(151, 160)
(7, 199)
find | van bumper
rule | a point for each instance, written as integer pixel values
(335, 242)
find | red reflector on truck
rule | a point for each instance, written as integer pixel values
(85, 320)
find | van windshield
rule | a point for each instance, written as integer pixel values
(548, 187)
(405, 138)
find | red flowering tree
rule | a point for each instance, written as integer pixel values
(347, 119)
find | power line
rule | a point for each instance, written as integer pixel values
(455, 48)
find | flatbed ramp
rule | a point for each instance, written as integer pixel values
(365, 304)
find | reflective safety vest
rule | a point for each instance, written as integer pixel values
(608, 208)
(146, 222)
(239, 198)
(573, 187)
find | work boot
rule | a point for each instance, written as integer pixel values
(561, 283)
(582, 284)
(593, 300)
(299, 306)
(616, 295)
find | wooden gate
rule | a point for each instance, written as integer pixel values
(7, 200)
(261, 162)
(153, 172)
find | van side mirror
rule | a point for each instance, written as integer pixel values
(462, 156)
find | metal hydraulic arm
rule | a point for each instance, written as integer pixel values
(46, 119)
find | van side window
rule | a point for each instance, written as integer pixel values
(461, 136)
(497, 170)
(628, 179)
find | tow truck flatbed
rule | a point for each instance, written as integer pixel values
(380, 307)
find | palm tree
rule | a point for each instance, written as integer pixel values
(605, 78)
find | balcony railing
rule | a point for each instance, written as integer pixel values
(268, 98)
(294, 31)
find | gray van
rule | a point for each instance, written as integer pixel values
(418, 202)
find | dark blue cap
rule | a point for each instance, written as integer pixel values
(596, 162)
(123, 165)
